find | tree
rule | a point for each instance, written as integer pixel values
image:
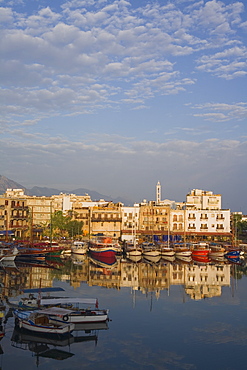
(65, 225)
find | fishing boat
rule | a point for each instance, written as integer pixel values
(233, 252)
(59, 315)
(200, 249)
(103, 246)
(33, 301)
(150, 250)
(40, 322)
(79, 248)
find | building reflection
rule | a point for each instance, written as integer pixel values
(199, 280)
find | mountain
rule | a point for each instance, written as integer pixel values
(6, 183)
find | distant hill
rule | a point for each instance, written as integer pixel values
(6, 183)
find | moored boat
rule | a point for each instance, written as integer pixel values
(216, 251)
(200, 250)
(182, 252)
(132, 249)
(8, 253)
(79, 248)
(40, 322)
(36, 299)
(150, 250)
(103, 246)
(61, 315)
(166, 250)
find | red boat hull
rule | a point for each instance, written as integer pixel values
(200, 252)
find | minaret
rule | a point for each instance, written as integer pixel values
(158, 193)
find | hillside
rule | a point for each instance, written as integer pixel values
(6, 183)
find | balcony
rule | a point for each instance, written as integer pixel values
(106, 219)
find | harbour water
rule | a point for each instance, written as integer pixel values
(164, 315)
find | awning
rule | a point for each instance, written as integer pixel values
(7, 232)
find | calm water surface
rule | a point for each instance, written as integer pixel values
(162, 316)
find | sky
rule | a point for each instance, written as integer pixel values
(114, 96)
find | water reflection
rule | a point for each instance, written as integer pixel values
(48, 347)
(134, 335)
(200, 277)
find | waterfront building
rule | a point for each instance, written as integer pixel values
(201, 199)
(130, 223)
(200, 217)
(14, 216)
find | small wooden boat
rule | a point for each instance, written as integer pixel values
(40, 322)
(61, 315)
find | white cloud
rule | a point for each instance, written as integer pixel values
(222, 112)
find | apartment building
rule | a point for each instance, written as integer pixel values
(200, 217)
(130, 223)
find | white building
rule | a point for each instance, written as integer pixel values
(130, 222)
(201, 199)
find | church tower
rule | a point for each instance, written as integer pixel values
(158, 193)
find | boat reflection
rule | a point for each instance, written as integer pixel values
(50, 347)
(145, 274)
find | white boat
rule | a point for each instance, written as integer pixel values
(8, 254)
(79, 247)
(40, 322)
(182, 252)
(58, 315)
(40, 301)
(150, 250)
(167, 251)
(132, 249)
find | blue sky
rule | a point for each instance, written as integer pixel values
(114, 96)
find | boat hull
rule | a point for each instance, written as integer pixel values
(106, 252)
